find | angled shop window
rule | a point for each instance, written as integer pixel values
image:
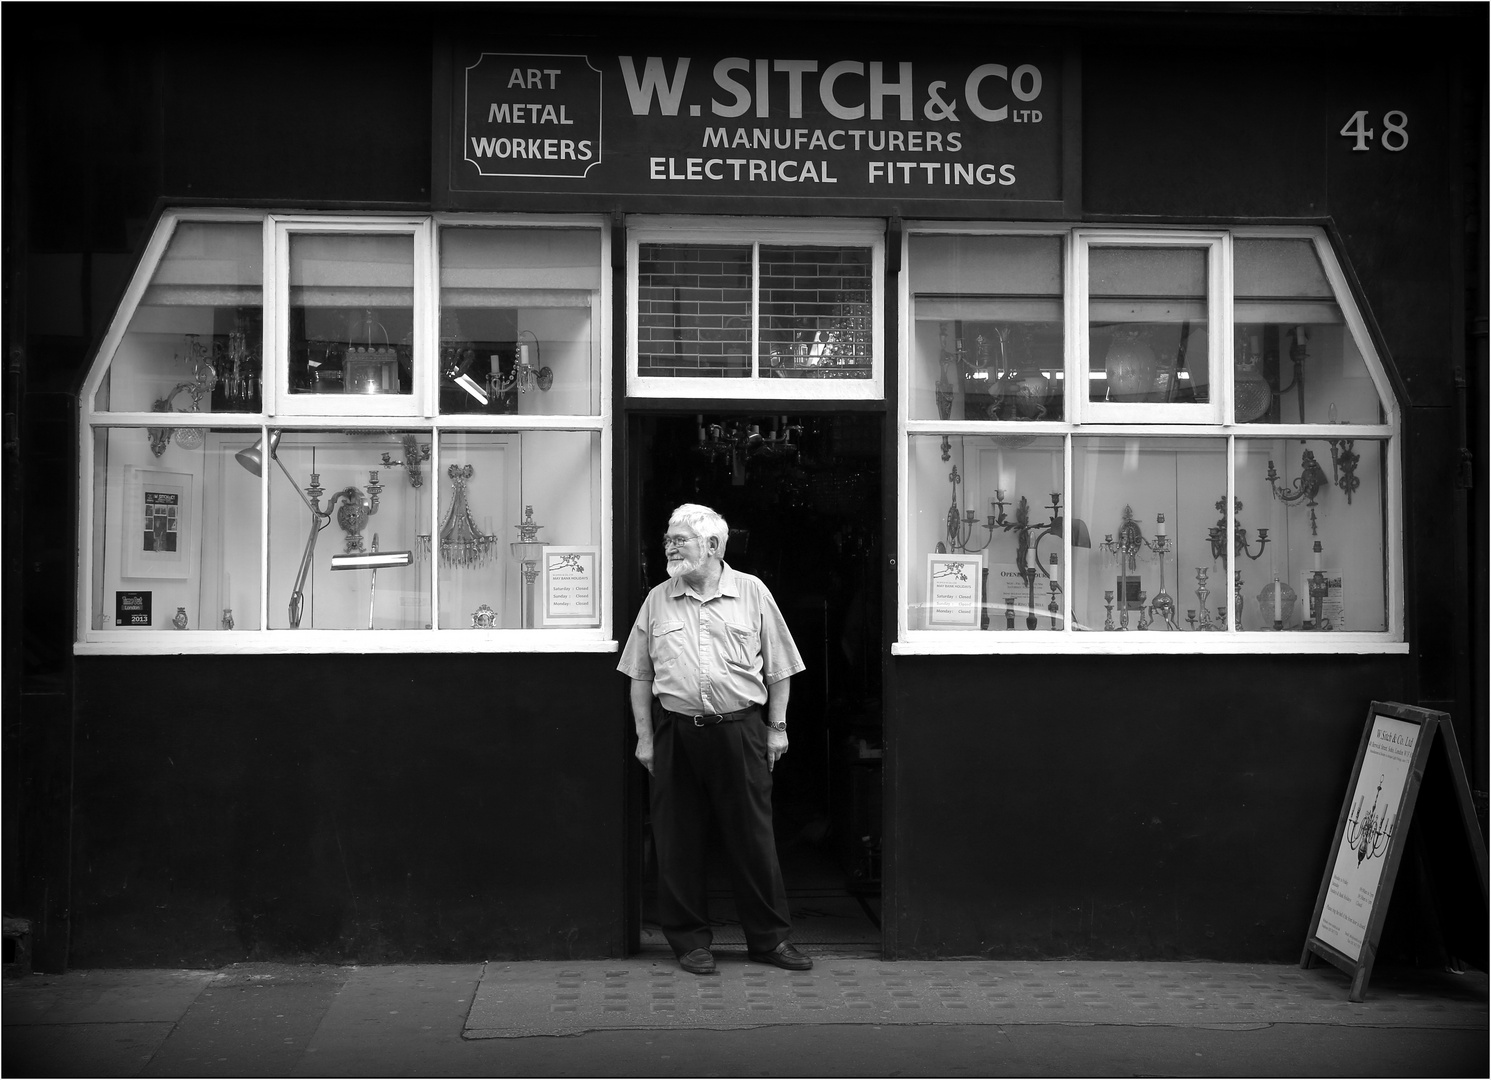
(328, 479)
(1226, 482)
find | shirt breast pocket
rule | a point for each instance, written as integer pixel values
(743, 646)
(667, 643)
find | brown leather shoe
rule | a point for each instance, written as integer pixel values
(697, 962)
(784, 955)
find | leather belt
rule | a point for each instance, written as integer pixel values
(701, 719)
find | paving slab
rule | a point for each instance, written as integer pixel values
(250, 1020)
(521, 1000)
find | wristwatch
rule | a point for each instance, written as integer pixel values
(777, 725)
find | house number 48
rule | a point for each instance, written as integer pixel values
(1394, 130)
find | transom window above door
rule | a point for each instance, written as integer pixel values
(757, 310)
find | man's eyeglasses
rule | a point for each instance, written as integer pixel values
(677, 541)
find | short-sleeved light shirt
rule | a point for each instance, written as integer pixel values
(712, 655)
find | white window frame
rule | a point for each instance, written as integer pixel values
(422, 419)
(331, 408)
(758, 232)
(1218, 308)
(1136, 422)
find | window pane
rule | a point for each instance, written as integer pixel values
(816, 312)
(373, 487)
(1148, 507)
(988, 338)
(198, 329)
(517, 321)
(694, 311)
(1147, 325)
(519, 539)
(1294, 359)
(175, 540)
(351, 314)
(1323, 509)
(997, 499)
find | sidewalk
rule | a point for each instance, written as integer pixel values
(850, 1016)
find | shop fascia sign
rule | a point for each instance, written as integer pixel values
(984, 128)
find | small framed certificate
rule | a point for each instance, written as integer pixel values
(954, 585)
(571, 589)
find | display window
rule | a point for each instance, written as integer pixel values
(1226, 482)
(763, 310)
(327, 478)
(518, 321)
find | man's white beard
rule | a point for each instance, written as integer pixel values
(680, 566)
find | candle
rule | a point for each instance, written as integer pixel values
(1317, 556)
(1159, 524)
(1278, 601)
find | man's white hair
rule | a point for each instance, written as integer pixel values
(704, 522)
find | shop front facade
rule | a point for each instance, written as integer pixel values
(1105, 425)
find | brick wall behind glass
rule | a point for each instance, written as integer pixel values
(817, 297)
(694, 310)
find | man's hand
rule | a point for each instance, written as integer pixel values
(641, 699)
(776, 746)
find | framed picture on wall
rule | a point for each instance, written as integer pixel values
(157, 523)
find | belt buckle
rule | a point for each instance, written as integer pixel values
(699, 718)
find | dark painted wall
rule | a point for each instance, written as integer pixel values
(1042, 806)
(378, 808)
(1120, 807)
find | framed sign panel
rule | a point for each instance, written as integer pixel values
(571, 591)
(954, 592)
(1396, 751)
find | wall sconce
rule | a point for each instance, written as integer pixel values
(204, 378)
(1306, 486)
(462, 544)
(527, 372)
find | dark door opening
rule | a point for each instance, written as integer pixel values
(802, 498)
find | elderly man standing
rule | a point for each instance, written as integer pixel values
(709, 649)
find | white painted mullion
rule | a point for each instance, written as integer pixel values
(1231, 527)
(1068, 565)
(432, 523)
(264, 469)
(755, 312)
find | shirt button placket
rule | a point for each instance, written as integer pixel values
(706, 665)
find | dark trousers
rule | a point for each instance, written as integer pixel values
(716, 773)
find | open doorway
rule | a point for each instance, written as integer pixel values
(801, 494)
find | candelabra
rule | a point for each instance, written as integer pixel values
(1319, 589)
(1203, 590)
(1126, 546)
(1368, 834)
(528, 549)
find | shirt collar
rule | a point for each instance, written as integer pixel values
(729, 585)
